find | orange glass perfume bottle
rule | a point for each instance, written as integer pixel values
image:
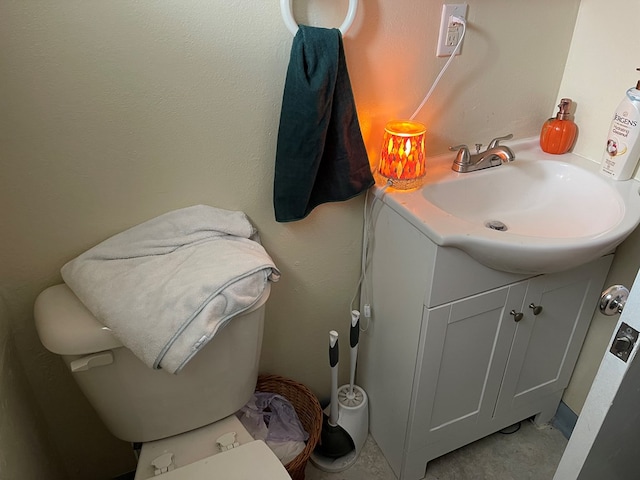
(559, 133)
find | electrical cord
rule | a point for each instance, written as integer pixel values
(456, 21)
(362, 287)
(511, 429)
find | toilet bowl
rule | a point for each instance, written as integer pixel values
(185, 422)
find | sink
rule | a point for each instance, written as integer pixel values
(541, 213)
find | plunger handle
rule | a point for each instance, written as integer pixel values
(333, 362)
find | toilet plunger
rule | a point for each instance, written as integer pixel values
(334, 440)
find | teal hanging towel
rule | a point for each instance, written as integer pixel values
(320, 154)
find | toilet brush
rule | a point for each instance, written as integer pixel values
(352, 397)
(352, 414)
(353, 402)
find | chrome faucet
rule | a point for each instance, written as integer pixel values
(493, 156)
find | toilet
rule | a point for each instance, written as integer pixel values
(185, 422)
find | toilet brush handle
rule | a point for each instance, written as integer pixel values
(354, 331)
(354, 337)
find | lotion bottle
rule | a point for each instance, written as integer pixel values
(623, 142)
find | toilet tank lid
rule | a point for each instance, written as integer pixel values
(66, 327)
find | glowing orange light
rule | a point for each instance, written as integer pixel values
(402, 158)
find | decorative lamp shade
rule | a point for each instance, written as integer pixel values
(402, 159)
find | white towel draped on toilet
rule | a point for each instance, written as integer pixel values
(166, 286)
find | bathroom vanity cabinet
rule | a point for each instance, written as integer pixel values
(455, 351)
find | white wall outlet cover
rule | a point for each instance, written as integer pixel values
(450, 34)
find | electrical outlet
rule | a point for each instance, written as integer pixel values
(450, 34)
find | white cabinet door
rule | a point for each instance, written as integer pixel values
(464, 348)
(547, 344)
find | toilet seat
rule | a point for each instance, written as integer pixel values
(196, 456)
(253, 460)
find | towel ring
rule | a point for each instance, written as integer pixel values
(290, 22)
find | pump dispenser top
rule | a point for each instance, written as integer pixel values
(622, 150)
(558, 134)
(563, 112)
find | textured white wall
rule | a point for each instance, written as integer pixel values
(114, 112)
(600, 68)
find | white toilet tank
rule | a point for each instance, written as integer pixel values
(137, 403)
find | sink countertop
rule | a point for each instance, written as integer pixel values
(558, 210)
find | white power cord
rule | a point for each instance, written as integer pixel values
(454, 21)
(366, 234)
(362, 286)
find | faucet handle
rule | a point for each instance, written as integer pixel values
(496, 141)
(463, 157)
(458, 147)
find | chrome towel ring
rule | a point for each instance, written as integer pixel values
(290, 22)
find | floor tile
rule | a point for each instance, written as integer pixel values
(531, 453)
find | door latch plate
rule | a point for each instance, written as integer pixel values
(624, 341)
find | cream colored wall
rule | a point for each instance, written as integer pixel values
(601, 66)
(114, 112)
(26, 452)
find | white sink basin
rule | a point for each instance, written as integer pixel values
(538, 214)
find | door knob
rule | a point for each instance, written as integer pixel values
(517, 316)
(613, 299)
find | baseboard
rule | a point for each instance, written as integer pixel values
(564, 420)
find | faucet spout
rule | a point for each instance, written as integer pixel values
(503, 152)
(493, 156)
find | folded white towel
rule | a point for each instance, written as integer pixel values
(166, 286)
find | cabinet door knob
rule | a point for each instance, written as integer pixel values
(537, 309)
(517, 316)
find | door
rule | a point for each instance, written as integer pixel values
(604, 443)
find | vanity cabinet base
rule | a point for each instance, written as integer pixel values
(442, 371)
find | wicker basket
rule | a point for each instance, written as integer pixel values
(309, 412)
